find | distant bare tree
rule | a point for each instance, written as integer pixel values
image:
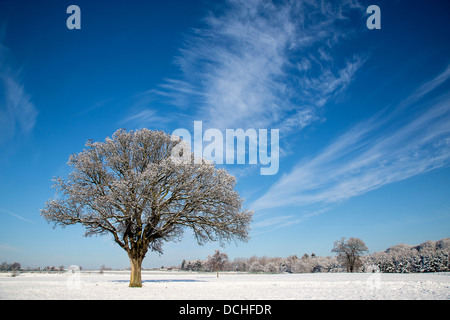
(129, 186)
(104, 268)
(16, 266)
(217, 261)
(349, 252)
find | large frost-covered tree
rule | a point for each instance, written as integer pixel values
(134, 187)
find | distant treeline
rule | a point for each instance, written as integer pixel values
(430, 256)
(16, 266)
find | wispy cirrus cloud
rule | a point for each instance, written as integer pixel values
(143, 118)
(15, 215)
(17, 111)
(391, 146)
(262, 63)
(142, 113)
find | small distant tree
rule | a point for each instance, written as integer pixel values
(104, 268)
(217, 261)
(145, 188)
(15, 266)
(349, 252)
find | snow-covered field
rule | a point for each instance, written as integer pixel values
(206, 286)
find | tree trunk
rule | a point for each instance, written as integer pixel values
(135, 279)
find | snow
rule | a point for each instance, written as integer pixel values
(174, 285)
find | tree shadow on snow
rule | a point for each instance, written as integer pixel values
(161, 281)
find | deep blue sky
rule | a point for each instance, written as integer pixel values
(364, 115)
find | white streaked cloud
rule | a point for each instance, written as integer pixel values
(143, 118)
(18, 108)
(142, 114)
(391, 146)
(17, 111)
(15, 215)
(260, 63)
